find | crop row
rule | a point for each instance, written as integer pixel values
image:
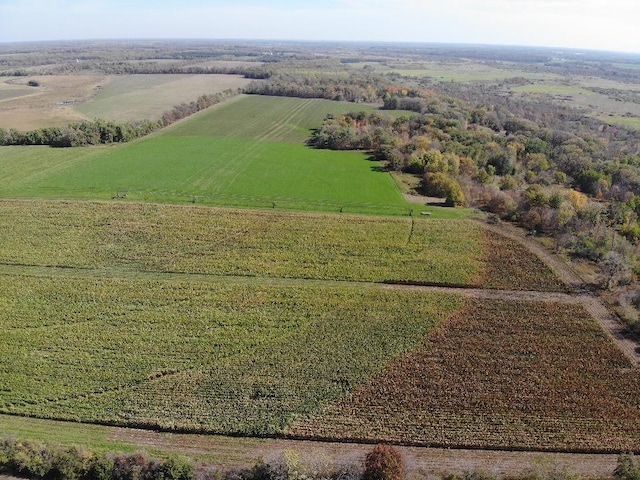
(182, 239)
(229, 357)
(503, 375)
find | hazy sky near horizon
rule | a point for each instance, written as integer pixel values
(587, 24)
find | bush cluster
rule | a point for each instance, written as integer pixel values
(41, 462)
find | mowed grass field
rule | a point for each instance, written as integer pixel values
(248, 152)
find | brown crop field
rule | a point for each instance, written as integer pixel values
(510, 266)
(507, 375)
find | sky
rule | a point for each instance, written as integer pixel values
(586, 24)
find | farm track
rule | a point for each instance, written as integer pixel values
(427, 463)
(627, 343)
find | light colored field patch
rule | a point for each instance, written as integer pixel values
(600, 105)
(552, 89)
(467, 72)
(10, 90)
(226, 64)
(140, 97)
(51, 103)
(62, 99)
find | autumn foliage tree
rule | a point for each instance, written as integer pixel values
(384, 462)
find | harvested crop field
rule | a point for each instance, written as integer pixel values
(509, 375)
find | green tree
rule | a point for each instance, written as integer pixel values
(442, 185)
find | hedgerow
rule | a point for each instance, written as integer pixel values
(40, 462)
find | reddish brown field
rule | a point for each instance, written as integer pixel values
(511, 266)
(504, 375)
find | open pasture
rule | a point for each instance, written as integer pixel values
(247, 152)
(608, 107)
(457, 71)
(499, 374)
(10, 90)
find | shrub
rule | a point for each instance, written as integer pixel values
(471, 475)
(134, 467)
(442, 185)
(175, 468)
(627, 468)
(384, 462)
(32, 461)
(101, 468)
(70, 464)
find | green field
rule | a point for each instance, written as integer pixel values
(247, 152)
(236, 357)
(633, 122)
(203, 240)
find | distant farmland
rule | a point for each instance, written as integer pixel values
(139, 97)
(247, 152)
(61, 99)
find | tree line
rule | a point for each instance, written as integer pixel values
(353, 87)
(96, 132)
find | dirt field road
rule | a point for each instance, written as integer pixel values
(424, 463)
